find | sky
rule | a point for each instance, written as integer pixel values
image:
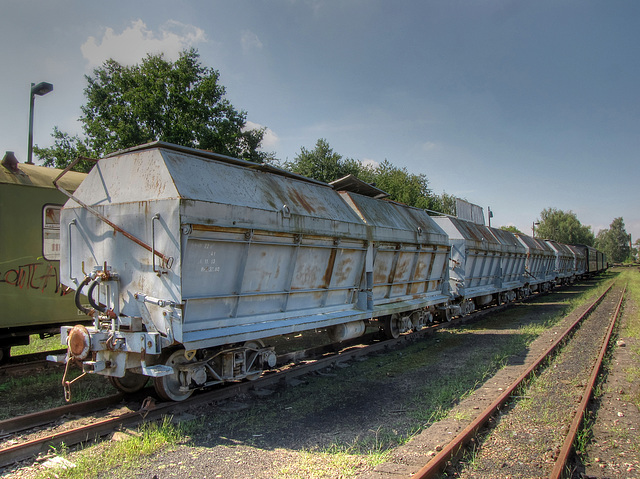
(514, 105)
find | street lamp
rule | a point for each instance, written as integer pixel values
(40, 89)
(533, 228)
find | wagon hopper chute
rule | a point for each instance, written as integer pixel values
(410, 252)
(565, 262)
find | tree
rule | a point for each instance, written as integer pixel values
(512, 229)
(444, 203)
(178, 102)
(323, 164)
(563, 227)
(66, 149)
(615, 242)
(404, 187)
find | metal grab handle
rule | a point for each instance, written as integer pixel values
(153, 243)
(71, 223)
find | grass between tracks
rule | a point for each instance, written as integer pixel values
(38, 345)
(380, 403)
(43, 390)
(632, 331)
(124, 453)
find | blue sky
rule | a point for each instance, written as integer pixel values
(516, 105)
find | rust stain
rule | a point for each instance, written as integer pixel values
(345, 267)
(326, 280)
(302, 201)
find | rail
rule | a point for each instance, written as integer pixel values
(434, 467)
(567, 447)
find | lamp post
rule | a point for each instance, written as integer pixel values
(40, 89)
(533, 228)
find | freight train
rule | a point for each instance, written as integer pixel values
(191, 261)
(33, 300)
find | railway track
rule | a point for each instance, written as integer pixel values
(507, 442)
(106, 415)
(306, 361)
(28, 363)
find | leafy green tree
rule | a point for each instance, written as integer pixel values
(563, 227)
(324, 164)
(444, 203)
(512, 229)
(178, 102)
(66, 149)
(402, 186)
(615, 242)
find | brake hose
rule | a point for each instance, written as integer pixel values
(85, 282)
(92, 301)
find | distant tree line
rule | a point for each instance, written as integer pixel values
(564, 227)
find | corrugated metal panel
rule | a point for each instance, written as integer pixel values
(541, 259)
(483, 262)
(469, 212)
(410, 249)
(565, 260)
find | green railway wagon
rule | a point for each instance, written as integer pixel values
(33, 300)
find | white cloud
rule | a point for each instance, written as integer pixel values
(250, 41)
(135, 42)
(269, 141)
(370, 162)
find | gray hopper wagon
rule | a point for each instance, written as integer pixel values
(191, 260)
(487, 264)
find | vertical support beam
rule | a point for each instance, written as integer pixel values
(297, 240)
(248, 236)
(328, 275)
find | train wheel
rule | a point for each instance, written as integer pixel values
(391, 326)
(168, 387)
(130, 383)
(250, 355)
